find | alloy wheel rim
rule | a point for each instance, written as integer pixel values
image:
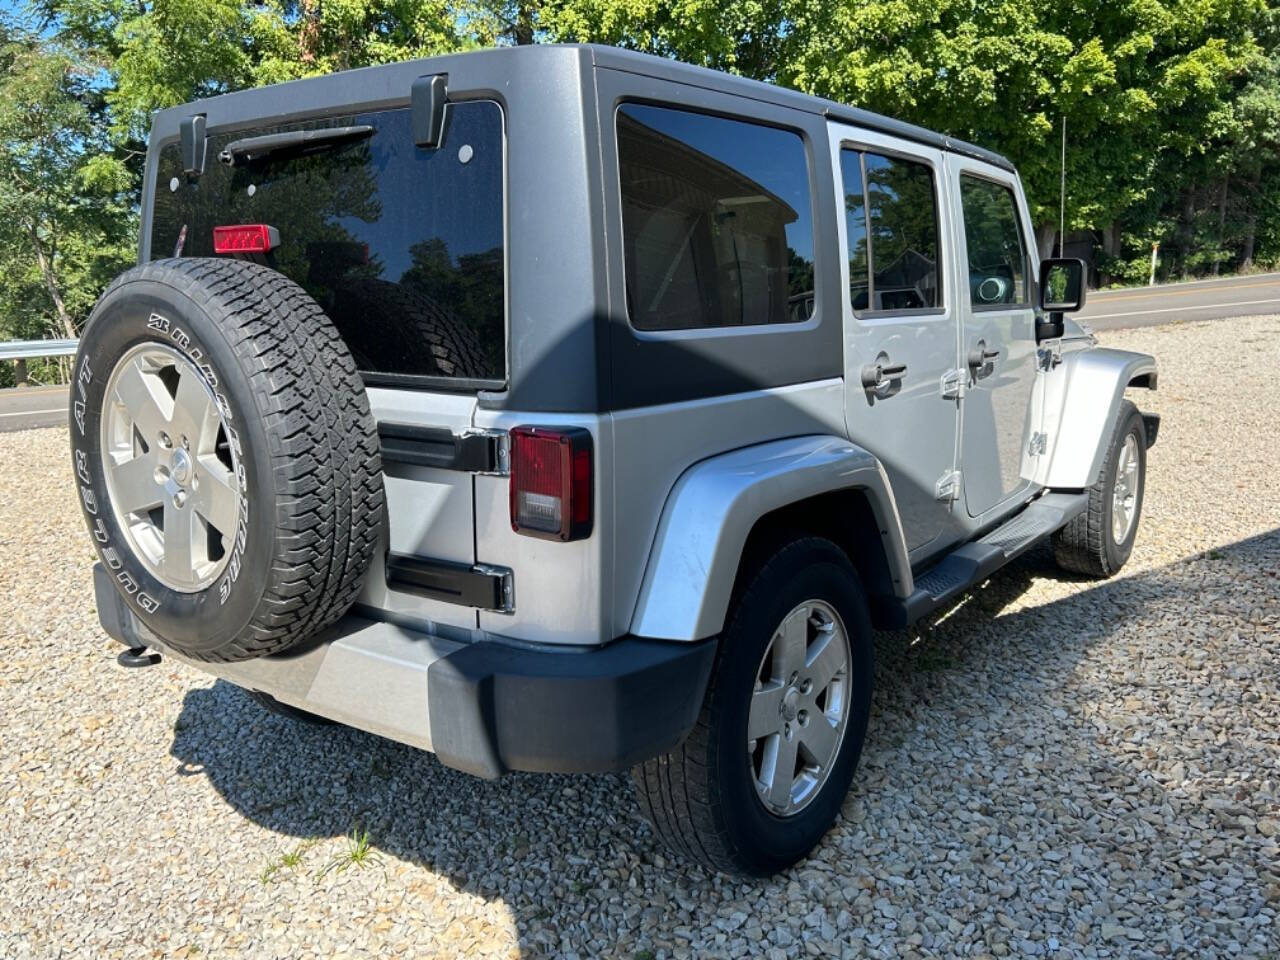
(170, 468)
(1124, 492)
(799, 708)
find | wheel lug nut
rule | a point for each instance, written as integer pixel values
(165, 441)
(786, 730)
(806, 687)
(803, 717)
(794, 674)
(185, 444)
(179, 499)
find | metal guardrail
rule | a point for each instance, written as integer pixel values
(31, 349)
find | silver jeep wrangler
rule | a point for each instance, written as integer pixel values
(567, 409)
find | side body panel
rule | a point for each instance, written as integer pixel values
(909, 426)
(715, 504)
(995, 426)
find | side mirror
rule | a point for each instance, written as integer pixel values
(1061, 285)
(1061, 291)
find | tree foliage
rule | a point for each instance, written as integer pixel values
(65, 195)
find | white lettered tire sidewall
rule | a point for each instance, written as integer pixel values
(129, 315)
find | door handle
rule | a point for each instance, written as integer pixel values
(876, 376)
(980, 356)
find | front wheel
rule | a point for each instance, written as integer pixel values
(762, 775)
(1098, 542)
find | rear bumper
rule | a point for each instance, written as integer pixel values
(483, 707)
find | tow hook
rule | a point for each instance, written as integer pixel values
(137, 657)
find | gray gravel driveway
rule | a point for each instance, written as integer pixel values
(1060, 768)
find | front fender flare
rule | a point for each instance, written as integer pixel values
(1083, 398)
(715, 503)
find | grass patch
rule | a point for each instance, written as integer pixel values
(359, 854)
(286, 861)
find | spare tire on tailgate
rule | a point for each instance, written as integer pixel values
(227, 462)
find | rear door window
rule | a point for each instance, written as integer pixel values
(891, 219)
(996, 250)
(717, 220)
(402, 246)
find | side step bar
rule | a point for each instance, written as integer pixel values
(971, 563)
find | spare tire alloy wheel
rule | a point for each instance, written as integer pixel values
(169, 467)
(227, 461)
(799, 708)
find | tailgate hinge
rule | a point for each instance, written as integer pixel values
(953, 384)
(948, 486)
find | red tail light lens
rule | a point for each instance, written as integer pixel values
(551, 481)
(245, 238)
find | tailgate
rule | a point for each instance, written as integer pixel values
(430, 530)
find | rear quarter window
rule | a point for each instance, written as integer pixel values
(402, 246)
(717, 220)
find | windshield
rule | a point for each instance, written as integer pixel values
(402, 246)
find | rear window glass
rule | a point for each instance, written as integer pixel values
(402, 246)
(717, 220)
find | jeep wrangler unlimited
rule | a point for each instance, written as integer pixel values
(567, 409)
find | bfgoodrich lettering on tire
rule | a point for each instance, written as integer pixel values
(227, 462)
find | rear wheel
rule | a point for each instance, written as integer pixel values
(1098, 542)
(762, 775)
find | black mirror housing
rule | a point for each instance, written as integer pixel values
(1062, 284)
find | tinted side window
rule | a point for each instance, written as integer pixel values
(403, 247)
(716, 218)
(891, 211)
(993, 235)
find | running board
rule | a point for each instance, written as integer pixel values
(971, 563)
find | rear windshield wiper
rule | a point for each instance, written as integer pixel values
(250, 149)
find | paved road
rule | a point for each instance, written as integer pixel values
(1176, 302)
(29, 407)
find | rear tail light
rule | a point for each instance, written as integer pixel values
(245, 238)
(551, 481)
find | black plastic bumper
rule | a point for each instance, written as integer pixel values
(495, 708)
(492, 707)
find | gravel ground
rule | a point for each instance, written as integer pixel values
(1058, 769)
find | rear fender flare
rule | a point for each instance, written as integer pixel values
(712, 509)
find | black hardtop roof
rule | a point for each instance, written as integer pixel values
(612, 58)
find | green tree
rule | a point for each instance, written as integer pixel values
(1142, 85)
(64, 193)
